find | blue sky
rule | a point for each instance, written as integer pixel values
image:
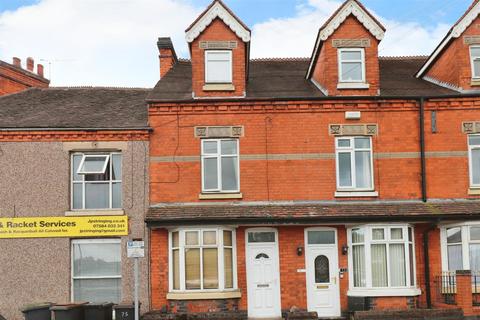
(112, 42)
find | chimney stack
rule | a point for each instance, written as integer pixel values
(17, 62)
(40, 70)
(30, 64)
(168, 57)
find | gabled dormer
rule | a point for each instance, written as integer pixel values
(455, 63)
(345, 57)
(219, 48)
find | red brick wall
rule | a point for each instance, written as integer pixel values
(218, 31)
(302, 128)
(158, 268)
(12, 81)
(326, 70)
(453, 66)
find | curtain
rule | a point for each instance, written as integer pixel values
(344, 169)
(362, 169)
(455, 260)
(210, 268)
(192, 268)
(397, 265)
(228, 265)
(358, 253)
(476, 166)
(475, 256)
(176, 269)
(379, 265)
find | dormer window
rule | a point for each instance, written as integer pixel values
(218, 66)
(475, 61)
(351, 65)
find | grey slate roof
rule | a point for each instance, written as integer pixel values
(88, 107)
(285, 78)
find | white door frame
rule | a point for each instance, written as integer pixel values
(336, 271)
(275, 244)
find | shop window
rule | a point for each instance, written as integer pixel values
(96, 181)
(220, 165)
(202, 259)
(96, 270)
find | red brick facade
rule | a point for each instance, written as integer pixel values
(14, 78)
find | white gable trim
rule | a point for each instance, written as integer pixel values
(454, 33)
(352, 7)
(217, 11)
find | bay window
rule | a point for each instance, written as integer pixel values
(354, 163)
(220, 165)
(202, 259)
(461, 247)
(381, 257)
(474, 160)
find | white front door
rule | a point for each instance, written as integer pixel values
(263, 276)
(323, 294)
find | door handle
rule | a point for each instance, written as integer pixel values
(266, 285)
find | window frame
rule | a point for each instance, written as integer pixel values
(86, 156)
(218, 155)
(389, 290)
(72, 263)
(470, 160)
(229, 78)
(472, 61)
(465, 244)
(220, 257)
(109, 166)
(351, 150)
(362, 62)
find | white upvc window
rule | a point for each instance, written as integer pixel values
(351, 65)
(475, 61)
(461, 246)
(96, 270)
(96, 180)
(354, 163)
(218, 66)
(202, 259)
(220, 165)
(474, 160)
(381, 258)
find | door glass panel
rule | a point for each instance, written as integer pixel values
(322, 270)
(321, 237)
(261, 237)
(262, 255)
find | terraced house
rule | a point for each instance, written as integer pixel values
(344, 182)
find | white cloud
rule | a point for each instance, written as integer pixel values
(113, 42)
(295, 36)
(91, 42)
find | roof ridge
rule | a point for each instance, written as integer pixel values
(402, 57)
(280, 59)
(97, 87)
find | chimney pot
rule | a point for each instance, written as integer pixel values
(40, 70)
(17, 62)
(30, 64)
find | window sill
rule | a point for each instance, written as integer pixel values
(355, 194)
(474, 192)
(353, 85)
(204, 295)
(95, 212)
(218, 87)
(475, 82)
(384, 292)
(217, 196)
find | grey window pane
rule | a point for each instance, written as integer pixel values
(454, 235)
(378, 234)
(398, 275)
(210, 173)
(77, 196)
(396, 233)
(476, 68)
(474, 140)
(97, 290)
(93, 164)
(210, 147)
(96, 259)
(261, 236)
(358, 235)
(363, 171)
(344, 170)
(229, 173)
(97, 196)
(218, 56)
(455, 257)
(117, 195)
(379, 265)
(229, 147)
(474, 233)
(116, 167)
(351, 55)
(475, 257)
(344, 143)
(351, 71)
(321, 237)
(476, 166)
(218, 71)
(77, 158)
(362, 143)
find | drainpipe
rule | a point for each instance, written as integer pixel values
(426, 256)
(422, 149)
